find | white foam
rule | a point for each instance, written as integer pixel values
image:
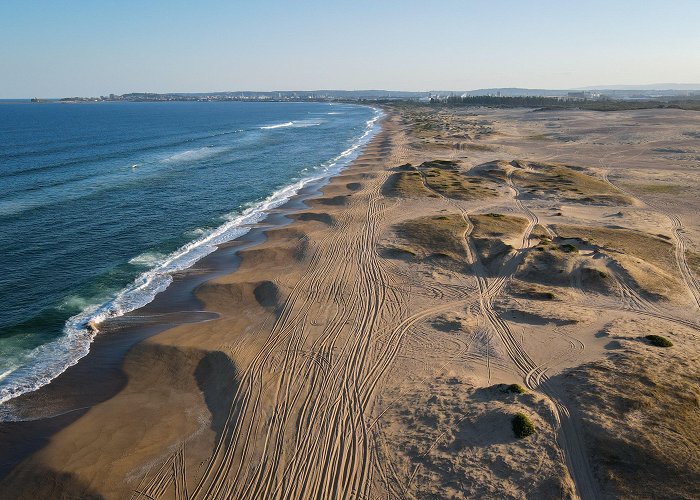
(148, 259)
(198, 231)
(77, 303)
(279, 125)
(48, 361)
(293, 124)
(305, 123)
(195, 154)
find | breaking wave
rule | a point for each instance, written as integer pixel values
(41, 365)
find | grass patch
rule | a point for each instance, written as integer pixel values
(439, 164)
(439, 236)
(497, 226)
(407, 184)
(444, 177)
(569, 183)
(477, 147)
(531, 292)
(437, 176)
(657, 188)
(644, 428)
(642, 245)
(516, 389)
(659, 341)
(399, 251)
(568, 248)
(522, 426)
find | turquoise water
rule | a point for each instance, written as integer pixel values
(101, 203)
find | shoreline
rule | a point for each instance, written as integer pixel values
(462, 271)
(80, 330)
(99, 375)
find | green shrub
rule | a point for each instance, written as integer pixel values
(522, 426)
(659, 341)
(516, 388)
(568, 248)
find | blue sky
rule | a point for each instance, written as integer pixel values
(65, 48)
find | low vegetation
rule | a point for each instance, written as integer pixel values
(445, 178)
(437, 236)
(558, 103)
(522, 426)
(516, 389)
(659, 341)
(566, 183)
(644, 246)
(438, 178)
(641, 423)
(530, 291)
(494, 225)
(408, 184)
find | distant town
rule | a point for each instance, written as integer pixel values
(320, 95)
(624, 94)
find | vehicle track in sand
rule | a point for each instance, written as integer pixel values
(299, 423)
(569, 432)
(534, 375)
(305, 422)
(680, 242)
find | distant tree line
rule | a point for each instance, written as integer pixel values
(556, 102)
(498, 101)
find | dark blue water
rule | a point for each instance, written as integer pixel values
(100, 203)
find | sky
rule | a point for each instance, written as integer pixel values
(60, 48)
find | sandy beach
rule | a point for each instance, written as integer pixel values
(368, 345)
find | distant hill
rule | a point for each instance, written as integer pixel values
(652, 86)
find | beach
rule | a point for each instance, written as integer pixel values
(366, 338)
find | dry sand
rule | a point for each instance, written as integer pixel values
(366, 350)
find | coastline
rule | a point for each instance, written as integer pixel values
(30, 418)
(51, 358)
(465, 269)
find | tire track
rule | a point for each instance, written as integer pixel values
(680, 243)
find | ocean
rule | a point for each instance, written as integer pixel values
(100, 203)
